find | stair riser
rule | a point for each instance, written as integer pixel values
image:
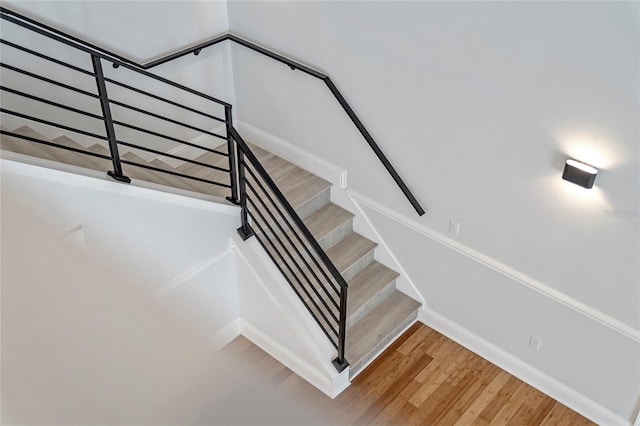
(358, 266)
(336, 235)
(362, 310)
(314, 204)
(355, 369)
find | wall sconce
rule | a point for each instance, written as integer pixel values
(579, 173)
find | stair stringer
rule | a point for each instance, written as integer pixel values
(274, 319)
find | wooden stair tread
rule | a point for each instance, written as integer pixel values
(378, 327)
(345, 255)
(206, 173)
(369, 286)
(148, 175)
(327, 220)
(172, 180)
(192, 184)
(99, 149)
(320, 224)
(26, 147)
(350, 250)
(210, 158)
(82, 160)
(298, 186)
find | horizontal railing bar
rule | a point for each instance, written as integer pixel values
(177, 157)
(160, 98)
(288, 267)
(48, 58)
(111, 57)
(306, 278)
(46, 101)
(266, 193)
(157, 169)
(51, 123)
(43, 142)
(322, 327)
(47, 80)
(171, 138)
(287, 206)
(161, 117)
(295, 247)
(169, 82)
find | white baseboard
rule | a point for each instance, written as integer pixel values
(285, 356)
(521, 370)
(225, 335)
(293, 154)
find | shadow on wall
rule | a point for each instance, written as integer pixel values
(81, 345)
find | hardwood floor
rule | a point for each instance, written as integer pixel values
(424, 378)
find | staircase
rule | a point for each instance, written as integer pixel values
(376, 311)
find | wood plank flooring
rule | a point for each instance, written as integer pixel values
(424, 378)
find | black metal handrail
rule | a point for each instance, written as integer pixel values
(118, 60)
(295, 65)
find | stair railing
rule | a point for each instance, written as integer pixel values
(294, 65)
(98, 56)
(268, 215)
(265, 212)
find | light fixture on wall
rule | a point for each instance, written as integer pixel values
(579, 173)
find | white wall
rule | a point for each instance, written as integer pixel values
(113, 299)
(478, 105)
(172, 248)
(137, 30)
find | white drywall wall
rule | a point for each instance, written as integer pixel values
(113, 297)
(170, 250)
(478, 104)
(82, 344)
